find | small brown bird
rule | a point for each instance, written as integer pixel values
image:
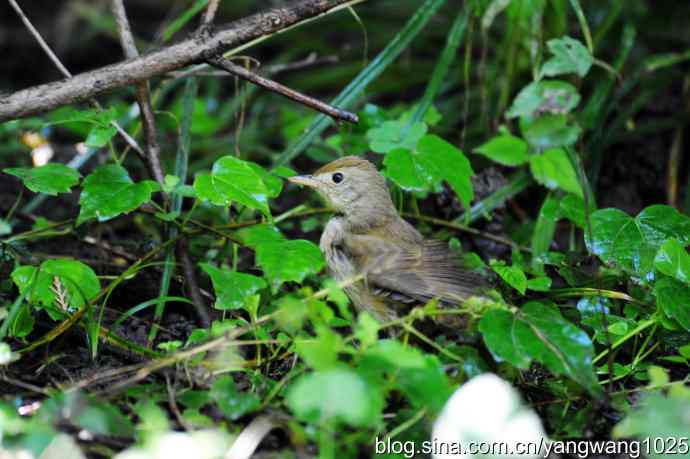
(367, 236)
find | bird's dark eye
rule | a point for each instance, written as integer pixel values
(337, 177)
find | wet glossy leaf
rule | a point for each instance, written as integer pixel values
(539, 332)
(285, 261)
(53, 178)
(632, 243)
(335, 394)
(569, 56)
(232, 288)
(673, 298)
(673, 260)
(505, 149)
(108, 192)
(553, 169)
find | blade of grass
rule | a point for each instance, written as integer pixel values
(181, 167)
(353, 90)
(447, 58)
(583, 25)
(183, 19)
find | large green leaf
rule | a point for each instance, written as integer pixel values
(232, 288)
(432, 162)
(234, 180)
(553, 169)
(549, 131)
(108, 192)
(673, 260)
(632, 243)
(53, 178)
(285, 261)
(539, 332)
(335, 394)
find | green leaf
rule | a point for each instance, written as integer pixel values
(335, 394)
(432, 162)
(539, 332)
(657, 416)
(79, 281)
(232, 403)
(234, 180)
(53, 178)
(255, 235)
(544, 230)
(232, 288)
(569, 56)
(673, 298)
(285, 261)
(573, 208)
(320, 353)
(632, 243)
(553, 169)
(99, 136)
(505, 149)
(108, 192)
(549, 131)
(512, 275)
(420, 377)
(539, 284)
(504, 346)
(556, 97)
(673, 260)
(393, 134)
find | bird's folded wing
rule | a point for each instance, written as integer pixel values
(419, 272)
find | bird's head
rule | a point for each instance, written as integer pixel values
(352, 186)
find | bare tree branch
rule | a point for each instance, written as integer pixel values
(333, 112)
(143, 94)
(46, 97)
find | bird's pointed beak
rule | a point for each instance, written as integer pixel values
(306, 180)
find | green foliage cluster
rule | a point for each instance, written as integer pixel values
(608, 315)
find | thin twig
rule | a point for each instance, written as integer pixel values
(46, 48)
(143, 93)
(335, 113)
(466, 229)
(236, 36)
(310, 61)
(192, 284)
